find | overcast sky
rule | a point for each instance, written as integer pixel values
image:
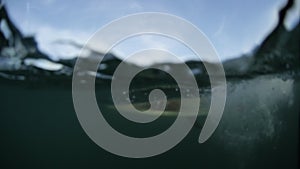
(234, 27)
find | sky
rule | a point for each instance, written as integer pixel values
(234, 27)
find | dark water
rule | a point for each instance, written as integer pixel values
(259, 129)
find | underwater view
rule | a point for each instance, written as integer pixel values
(40, 125)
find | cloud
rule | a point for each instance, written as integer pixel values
(47, 35)
(150, 56)
(154, 42)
